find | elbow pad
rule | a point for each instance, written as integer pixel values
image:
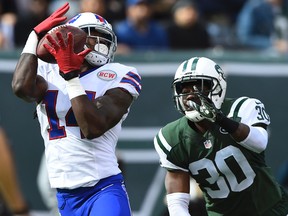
(256, 140)
(178, 204)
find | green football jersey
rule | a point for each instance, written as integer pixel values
(234, 180)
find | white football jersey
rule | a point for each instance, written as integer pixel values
(72, 160)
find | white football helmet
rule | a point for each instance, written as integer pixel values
(205, 72)
(105, 45)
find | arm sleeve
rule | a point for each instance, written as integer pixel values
(256, 140)
(178, 204)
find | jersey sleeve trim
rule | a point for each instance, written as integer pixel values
(236, 107)
(132, 79)
(163, 143)
(249, 111)
(163, 149)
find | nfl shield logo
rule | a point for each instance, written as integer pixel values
(207, 144)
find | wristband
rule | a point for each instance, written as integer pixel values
(178, 204)
(74, 88)
(228, 124)
(31, 44)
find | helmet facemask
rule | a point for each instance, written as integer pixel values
(206, 86)
(102, 45)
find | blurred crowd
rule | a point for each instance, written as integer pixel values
(164, 24)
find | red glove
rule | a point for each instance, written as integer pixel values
(68, 61)
(53, 20)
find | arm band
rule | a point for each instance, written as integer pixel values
(256, 140)
(228, 124)
(74, 88)
(31, 44)
(178, 204)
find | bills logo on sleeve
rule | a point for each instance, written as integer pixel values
(107, 75)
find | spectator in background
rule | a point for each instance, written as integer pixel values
(211, 9)
(220, 16)
(162, 10)
(116, 10)
(38, 11)
(74, 6)
(11, 197)
(187, 31)
(94, 6)
(112, 10)
(139, 31)
(262, 25)
(8, 18)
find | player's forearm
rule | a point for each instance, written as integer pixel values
(240, 133)
(256, 140)
(88, 116)
(91, 119)
(252, 138)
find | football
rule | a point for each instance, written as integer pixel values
(79, 41)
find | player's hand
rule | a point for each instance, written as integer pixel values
(53, 20)
(68, 61)
(207, 108)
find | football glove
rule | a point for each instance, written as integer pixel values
(54, 19)
(207, 108)
(69, 62)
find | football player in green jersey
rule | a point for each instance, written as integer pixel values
(219, 142)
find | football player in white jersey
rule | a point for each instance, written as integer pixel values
(81, 103)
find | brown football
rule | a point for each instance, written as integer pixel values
(79, 41)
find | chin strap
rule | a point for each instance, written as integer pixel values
(96, 59)
(194, 116)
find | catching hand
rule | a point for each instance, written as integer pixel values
(207, 108)
(68, 61)
(53, 20)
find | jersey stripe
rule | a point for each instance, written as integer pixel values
(132, 79)
(134, 76)
(237, 108)
(160, 145)
(163, 143)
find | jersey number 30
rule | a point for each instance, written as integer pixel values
(227, 176)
